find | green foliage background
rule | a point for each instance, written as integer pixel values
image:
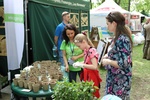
(142, 6)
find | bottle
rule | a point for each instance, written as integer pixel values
(54, 51)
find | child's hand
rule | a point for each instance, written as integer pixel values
(78, 64)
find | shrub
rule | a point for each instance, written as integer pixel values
(74, 91)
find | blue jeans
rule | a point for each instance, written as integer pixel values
(60, 55)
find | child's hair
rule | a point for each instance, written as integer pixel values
(80, 37)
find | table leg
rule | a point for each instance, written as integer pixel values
(34, 98)
(49, 98)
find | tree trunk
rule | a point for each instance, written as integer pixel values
(129, 5)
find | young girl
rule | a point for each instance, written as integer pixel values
(90, 66)
(71, 53)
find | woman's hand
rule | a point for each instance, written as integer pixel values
(105, 56)
(67, 69)
(106, 62)
(74, 58)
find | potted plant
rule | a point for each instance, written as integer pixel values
(74, 91)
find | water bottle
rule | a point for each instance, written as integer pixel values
(54, 51)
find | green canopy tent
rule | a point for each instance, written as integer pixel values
(41, 18)
(44, 16)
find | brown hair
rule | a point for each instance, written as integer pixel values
(69, 27)
(121, 27)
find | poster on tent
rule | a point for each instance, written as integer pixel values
(74, 19)
(14, 30)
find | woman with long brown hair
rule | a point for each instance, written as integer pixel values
(118, 61)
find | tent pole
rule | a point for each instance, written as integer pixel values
(26, 32)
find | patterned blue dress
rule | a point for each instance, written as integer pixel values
(118, 80)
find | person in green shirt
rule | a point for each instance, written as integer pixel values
(71, 53)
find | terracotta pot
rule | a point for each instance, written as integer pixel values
(45, 85)
(25, 84)
(30, 83)
(36, 87)
(20, 83)
(22, 72)
(40, 83)
(52, 84)
(15, 81)
(56, 76)
(60, 75)
(59, 64)
(44, 78)
(54, 61)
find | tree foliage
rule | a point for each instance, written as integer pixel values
(142, 6)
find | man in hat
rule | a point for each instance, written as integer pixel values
(58, 34)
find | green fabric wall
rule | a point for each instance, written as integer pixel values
(43, 19)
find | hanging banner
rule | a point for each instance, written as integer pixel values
(74, 4)
(14, 30)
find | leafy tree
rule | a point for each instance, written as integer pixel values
(123, 3)
(142, 6)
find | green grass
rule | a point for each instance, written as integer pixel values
(140, 89)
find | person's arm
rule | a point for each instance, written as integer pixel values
(110, 62)
(63, 48)
(55, 40)
(65, 60)
(57, 33)
(77, 57)
(93, 66)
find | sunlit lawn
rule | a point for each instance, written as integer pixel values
(141, 76)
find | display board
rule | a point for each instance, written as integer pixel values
(102, 49)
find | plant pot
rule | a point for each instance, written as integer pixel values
(30, 85)
(60, 75)
(20, 83)
(45, 86)
(15, 81)
(55, 76)
(25, 84)
(36, 87)
(53, 83)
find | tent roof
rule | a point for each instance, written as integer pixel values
(108, 6)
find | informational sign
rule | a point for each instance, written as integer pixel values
(101, 49)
